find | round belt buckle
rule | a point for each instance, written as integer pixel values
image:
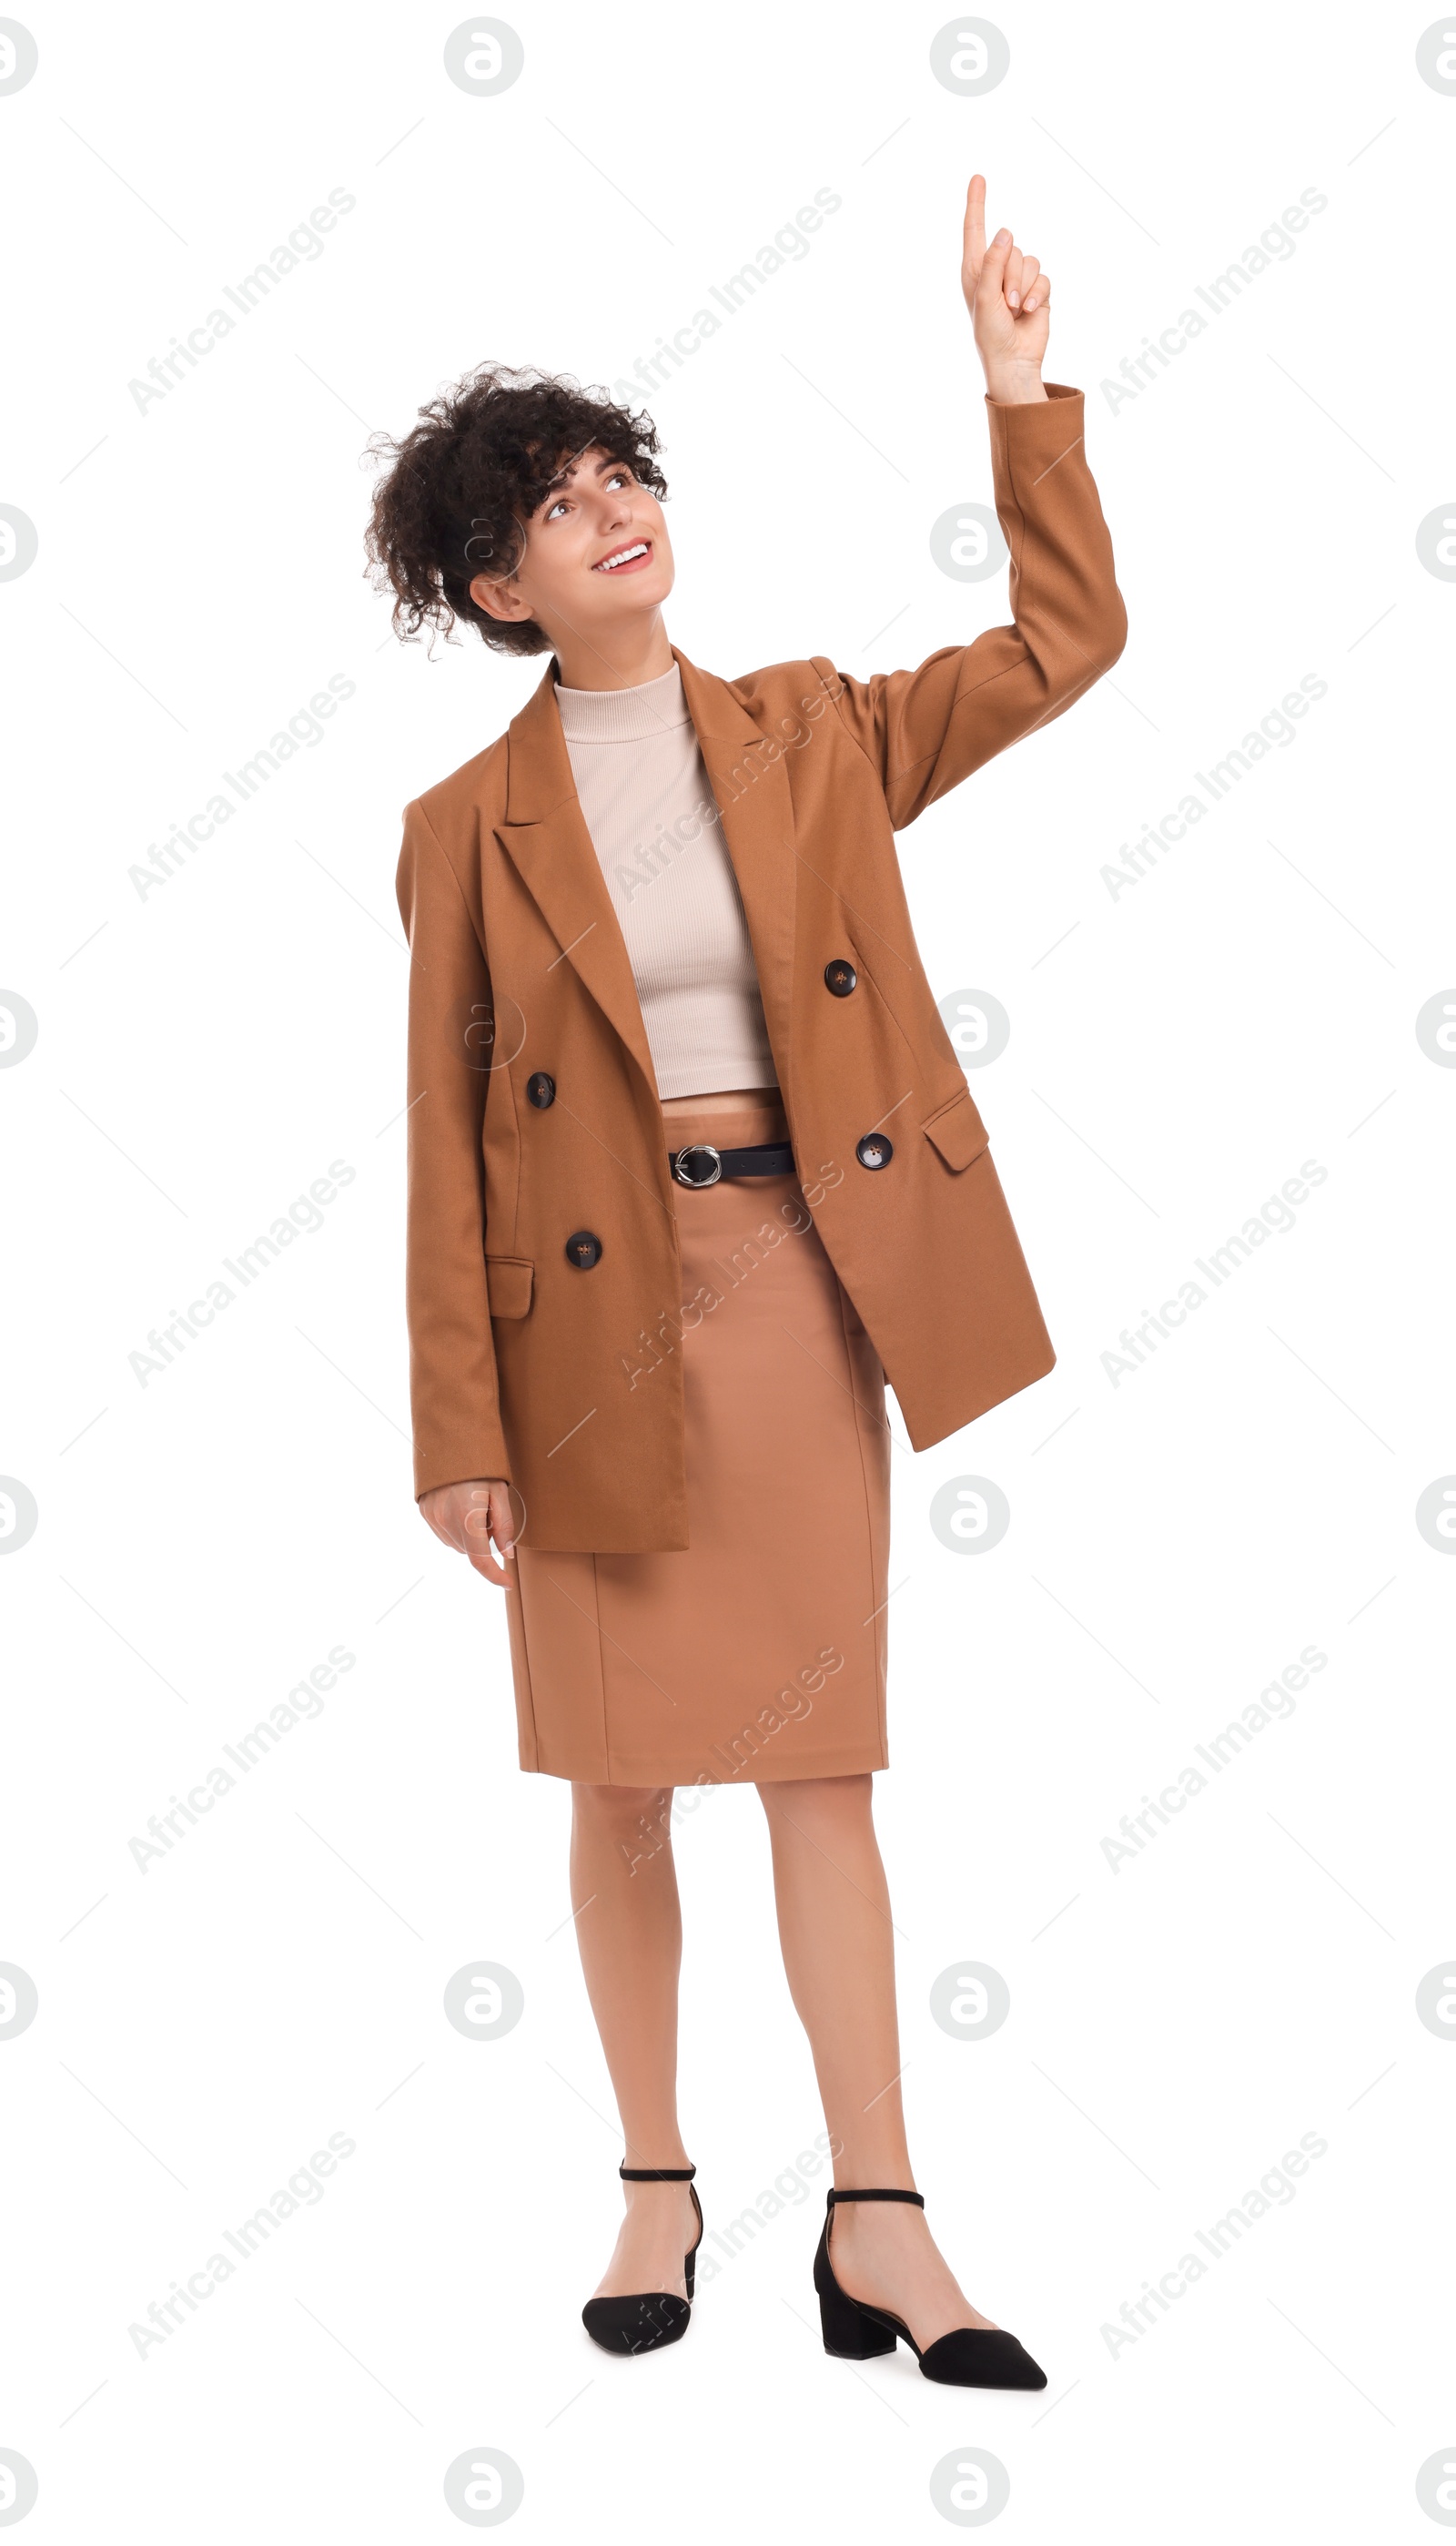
(687, 1175)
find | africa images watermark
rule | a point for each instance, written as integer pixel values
(304, 1217)
(667, 1332)
(789, 2191)
(306, 1701)
(793, 1704)
(1274, 1217)
(1217, 1753)
(1277, 245)
(1277, 2187)
(653, 858)
(304, 2189)
(790, 246)
(303, 246)
(304, 729)
(1276, 730)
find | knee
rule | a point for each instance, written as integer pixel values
(818, 1802)
(634, 1822)
(622, 1802)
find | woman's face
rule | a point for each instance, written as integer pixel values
(596, 555)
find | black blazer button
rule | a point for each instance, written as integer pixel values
(840, 977)
(584, 1249)
(540, 1089)
(874, 1150)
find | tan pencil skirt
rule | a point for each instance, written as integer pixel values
(758, 1652)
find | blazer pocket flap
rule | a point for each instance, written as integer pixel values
(958, 1131)
(508, 1285)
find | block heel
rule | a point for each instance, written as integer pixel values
(850, 2333)
(972, 2356)
(847, 2332)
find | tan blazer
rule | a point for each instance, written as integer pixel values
(522, 1358)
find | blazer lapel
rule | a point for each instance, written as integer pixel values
(544, 833)
(751, 783)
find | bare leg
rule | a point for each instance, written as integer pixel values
(629, 1930)
(838, 1953)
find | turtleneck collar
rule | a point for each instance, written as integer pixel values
(624, 716)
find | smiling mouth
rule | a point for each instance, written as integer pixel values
(621, 560)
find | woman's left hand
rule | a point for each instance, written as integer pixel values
(1008, 296)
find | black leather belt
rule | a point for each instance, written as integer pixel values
(702, 1165)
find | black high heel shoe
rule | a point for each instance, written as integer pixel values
(972, 2356)
(650, 2317)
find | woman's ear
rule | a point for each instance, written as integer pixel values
(500, 597)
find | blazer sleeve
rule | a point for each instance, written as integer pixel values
(453, 1390)
(927, 729)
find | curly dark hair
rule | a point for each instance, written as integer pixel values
(465, 480)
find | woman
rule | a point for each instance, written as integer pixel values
(693, 1170)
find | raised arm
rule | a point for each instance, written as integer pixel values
(927, 730)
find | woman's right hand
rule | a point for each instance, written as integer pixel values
(468, 1516)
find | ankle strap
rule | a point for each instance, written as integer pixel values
(918, 2198)
(657, 2173)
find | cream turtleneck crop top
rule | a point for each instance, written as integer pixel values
(655, 827)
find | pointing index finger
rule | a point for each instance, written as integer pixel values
(975, 223)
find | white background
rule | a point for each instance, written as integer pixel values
(205, 1052)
